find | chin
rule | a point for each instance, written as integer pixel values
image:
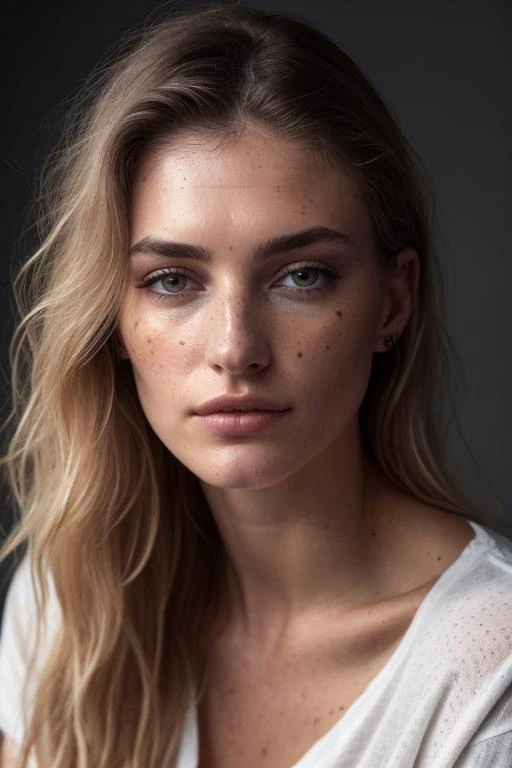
(237, 472)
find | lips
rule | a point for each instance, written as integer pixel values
(239, 404)
(240, 410)
(240, 423)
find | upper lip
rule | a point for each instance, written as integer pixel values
(244, 402)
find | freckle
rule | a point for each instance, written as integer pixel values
(439, 558)
(161, 366)
(182, 343)
(148, 341)
(316, 720)
(152, 351)
(230, 247)
(358, 259)
(135, 323)
(342, 707)
(264, 752)
(299, 354)
(373, 533)
(331, 711)
(184, 178)
(328, 346)
(144, 178)
(339, 313)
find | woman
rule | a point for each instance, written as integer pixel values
(237, 226)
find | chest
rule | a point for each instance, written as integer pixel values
(272, 715)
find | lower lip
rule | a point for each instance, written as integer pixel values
(240, 423)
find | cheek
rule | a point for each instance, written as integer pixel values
(338, 340)
(154, 353)
(332, 365)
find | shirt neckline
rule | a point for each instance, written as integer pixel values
(189, 749)
(481, 542)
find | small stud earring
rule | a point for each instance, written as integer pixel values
(390, 341)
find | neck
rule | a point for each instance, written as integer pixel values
(304, 546)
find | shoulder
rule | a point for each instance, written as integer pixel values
(456, 676)
(470, 610)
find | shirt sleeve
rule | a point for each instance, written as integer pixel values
(492, 743)
(16, 648)
(12, 665)
(495, 751)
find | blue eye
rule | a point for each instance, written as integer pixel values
(170, 280)
(304, 277)
(310, 277)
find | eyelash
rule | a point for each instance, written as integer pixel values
(329, 276)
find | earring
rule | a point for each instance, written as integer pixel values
(390, 341)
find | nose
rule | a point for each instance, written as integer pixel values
(236, 337)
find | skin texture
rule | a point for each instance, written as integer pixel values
(305, 518)
(8, 753)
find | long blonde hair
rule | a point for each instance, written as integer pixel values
(119, 523)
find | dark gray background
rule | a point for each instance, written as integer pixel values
(445, 70)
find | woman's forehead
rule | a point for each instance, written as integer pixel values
(254, 157)
(250, 178)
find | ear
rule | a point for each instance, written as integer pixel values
(401, 291)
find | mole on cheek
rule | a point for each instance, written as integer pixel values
(182, 343)
(328, 346)
(299, 354)
(136, 324)
(339, 313)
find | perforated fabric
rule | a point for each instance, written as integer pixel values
(444, 697)
(442, 700)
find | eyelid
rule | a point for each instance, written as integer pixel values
(158, 274)
(328, 273)
(164, 271)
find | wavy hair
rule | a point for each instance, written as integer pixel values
(102, 504)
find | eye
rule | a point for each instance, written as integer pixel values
(173, 282)
(308, 278)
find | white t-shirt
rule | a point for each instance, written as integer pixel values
(442, 700)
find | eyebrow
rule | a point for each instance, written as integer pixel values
(272, 247)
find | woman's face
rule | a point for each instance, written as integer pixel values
(297, 326)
